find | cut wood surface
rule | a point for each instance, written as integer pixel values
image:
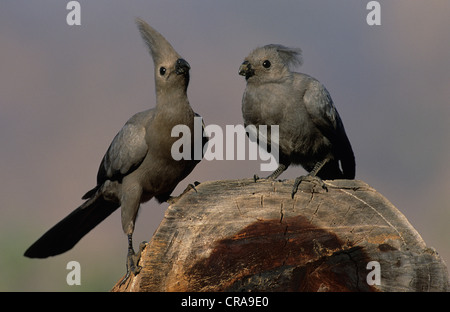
(241, 235)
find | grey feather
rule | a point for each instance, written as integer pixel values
(159, 48)
(311, 131)
(138, 164)
(291, 57)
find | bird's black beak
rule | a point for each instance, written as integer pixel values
(182, 67)
(246, 70)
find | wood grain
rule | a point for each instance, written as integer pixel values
(241, 235)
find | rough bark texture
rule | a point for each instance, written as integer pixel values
(239, 235)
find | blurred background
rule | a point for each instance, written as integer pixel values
(65, 91)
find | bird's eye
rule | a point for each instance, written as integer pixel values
(162, 71)
(266, 64)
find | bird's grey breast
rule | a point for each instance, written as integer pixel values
(265, 104)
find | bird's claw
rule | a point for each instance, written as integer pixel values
(269, 178)
(133, 263)
(132, 267)
(307, 177)
(191, 186)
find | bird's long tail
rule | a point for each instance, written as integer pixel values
(65, 234)
(331, 169)
(348, 160)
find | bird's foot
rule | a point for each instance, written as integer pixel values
(133, 266)
(310, 178)
(173, 199)
(269, 178)
(281, 168)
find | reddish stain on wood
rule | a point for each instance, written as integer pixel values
(271, 248)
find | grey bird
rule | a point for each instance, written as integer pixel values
(138, 164)
(311, 132)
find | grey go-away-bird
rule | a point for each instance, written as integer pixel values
(138, 164)
(311, 133)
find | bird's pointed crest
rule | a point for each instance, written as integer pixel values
(159, 47)
(291, 57)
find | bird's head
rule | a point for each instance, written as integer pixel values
(269, 63)
(170, 68)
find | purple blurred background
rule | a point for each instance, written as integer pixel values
(65, 91)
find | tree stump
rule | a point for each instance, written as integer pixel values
(241, 235)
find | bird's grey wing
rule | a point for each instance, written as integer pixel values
(323, 113)
(126, 152)
(321, 110)
(205, 136)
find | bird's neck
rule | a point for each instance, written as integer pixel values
(173, 104)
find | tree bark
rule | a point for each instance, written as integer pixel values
(238, 235)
